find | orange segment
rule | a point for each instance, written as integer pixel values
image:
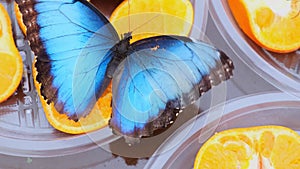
(11, 65)
(96, 119)
(286, 153)
(149, 18)
(264, 147)
(274, 26)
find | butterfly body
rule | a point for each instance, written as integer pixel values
(119, 53)
(79, 53)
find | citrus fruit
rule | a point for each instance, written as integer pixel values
(149, 18)
(274, 26)
(11, 65)
(96, 119)
(19, 18)
(263, 147)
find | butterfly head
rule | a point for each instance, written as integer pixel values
(121, 48)
(127, 36)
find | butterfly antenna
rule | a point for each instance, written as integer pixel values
(146, 22)
(129, 15)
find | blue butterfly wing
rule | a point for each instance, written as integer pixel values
(72, 42)
(161, 76)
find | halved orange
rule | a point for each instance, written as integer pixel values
(273, 25)
(149, 18)
(11, 65)
(263, 147)
(96, 119)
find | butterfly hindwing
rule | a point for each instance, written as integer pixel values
(72, 42)
(163, 74)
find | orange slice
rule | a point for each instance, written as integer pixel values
(96, 119)
(273, 25)
(11, 65)
(264, 147)
(19, 18)
(149, 18)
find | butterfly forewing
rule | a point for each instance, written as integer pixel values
(72, 41)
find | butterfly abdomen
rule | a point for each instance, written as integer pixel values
(119, 52)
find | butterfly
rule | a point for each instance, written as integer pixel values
(79, 53)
